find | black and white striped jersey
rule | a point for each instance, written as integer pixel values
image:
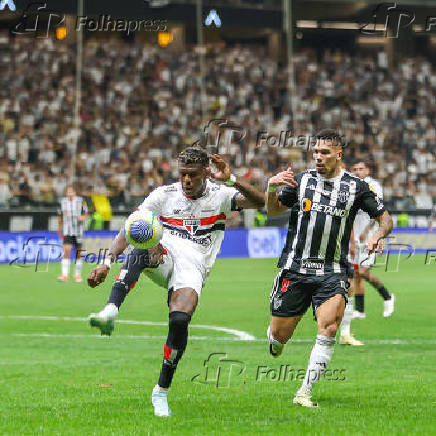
(322, 216)
(71, 210)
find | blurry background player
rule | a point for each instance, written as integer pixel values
(193, 213)
(314, 263)
(71, 215)
(364, 228)
(346, 337)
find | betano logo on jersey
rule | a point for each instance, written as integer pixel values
(307, 205)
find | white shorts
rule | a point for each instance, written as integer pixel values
(362, 259)
(179, 270)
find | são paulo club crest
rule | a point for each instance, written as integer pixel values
(191, 225)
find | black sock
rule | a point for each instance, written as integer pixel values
(118, 294)
(174, 347)
(384, 293)
(359, 302)
(129, 274)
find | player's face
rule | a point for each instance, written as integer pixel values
(193, 179)
(360, 170)
(327, 157)
(70, 192)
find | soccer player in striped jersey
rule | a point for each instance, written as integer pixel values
(72, 214)
(193, 213)
(314, 266)
(363, 227)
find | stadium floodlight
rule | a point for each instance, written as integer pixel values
(214, 18)
(9, 3)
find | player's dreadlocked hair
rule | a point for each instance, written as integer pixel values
(332, 135)
(194, 155)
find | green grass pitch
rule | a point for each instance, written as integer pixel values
(59, 377)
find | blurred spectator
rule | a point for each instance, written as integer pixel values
(141, 106)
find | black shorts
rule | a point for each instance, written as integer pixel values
(292, 293)
(72, 240)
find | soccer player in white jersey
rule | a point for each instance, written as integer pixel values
(193, 212)
(364, 228)
(72, 214)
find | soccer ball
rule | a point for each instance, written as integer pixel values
(143, 229)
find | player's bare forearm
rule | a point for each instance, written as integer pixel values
(273, 205)
(119, 244)
(385, 225)
(99, 274)
(60, 225)
(376, 242)
(251, 197)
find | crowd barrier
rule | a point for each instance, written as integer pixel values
(38, 247)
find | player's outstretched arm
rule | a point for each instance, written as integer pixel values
(251, 198)
(99, 274)
(376, 243)
(273, 205)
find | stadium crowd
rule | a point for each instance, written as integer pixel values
(141, 105)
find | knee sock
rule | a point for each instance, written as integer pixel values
(320, 357)
(79, 264)
(174, 347)
(346, 320)
(359, 301)
(65, 267)
(128, 276)
(382, 291)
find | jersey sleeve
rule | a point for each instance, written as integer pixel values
(229, 196)
(288, 196)
(376, 188)
(59, 209)
(153, 202)
(369, 202)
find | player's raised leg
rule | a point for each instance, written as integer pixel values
(126, 279)
(287, 304)
(279, 332)
(329, 315)
(182, 304)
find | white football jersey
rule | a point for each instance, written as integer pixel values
(193, 226)
(362, 218)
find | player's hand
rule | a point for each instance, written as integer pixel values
(376, 245)
(362, 238)
(222, 172)
(98, 275)
(155, 255)
(284, 178)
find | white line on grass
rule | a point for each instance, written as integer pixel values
(239, 334)
(214, 338)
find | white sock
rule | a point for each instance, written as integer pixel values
(346, 320)
(110, 311)
(65, 267)
(164, 390)
(320, 357)
(79, 264)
